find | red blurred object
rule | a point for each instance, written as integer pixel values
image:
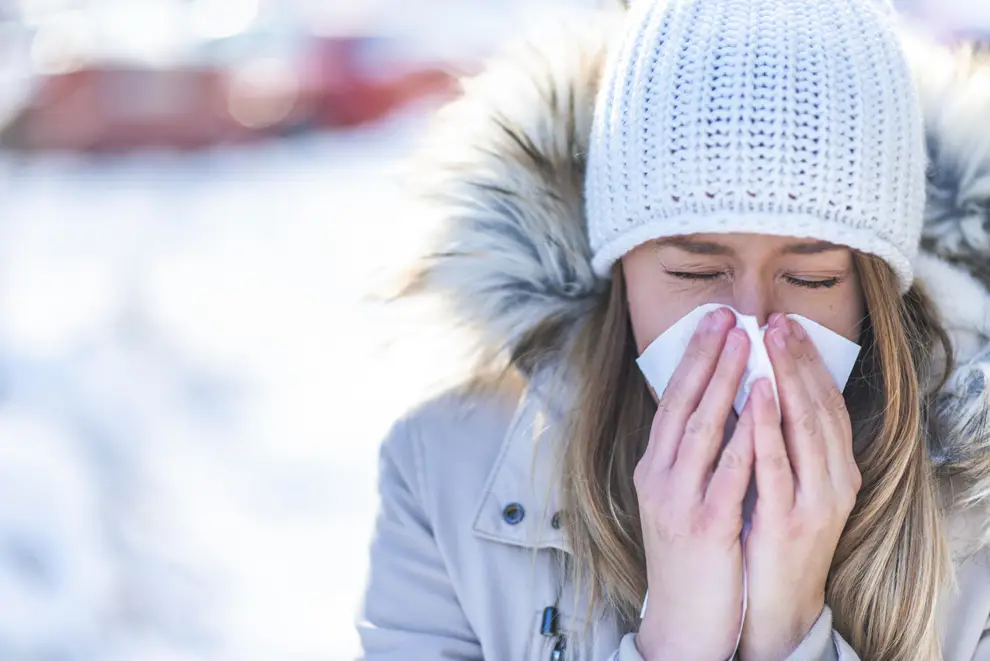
(121, 108)
(345, 91)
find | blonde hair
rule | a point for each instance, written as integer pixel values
(892, 559)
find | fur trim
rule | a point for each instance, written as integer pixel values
(955, 94)
(504, 171)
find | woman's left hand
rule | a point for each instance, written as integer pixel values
(807, 481)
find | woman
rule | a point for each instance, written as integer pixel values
(768, 155)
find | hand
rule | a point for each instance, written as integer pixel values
(807, 482)
(690, 509)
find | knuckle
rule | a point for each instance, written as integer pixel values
(835, 402)
(670, 400)
(777, 462)
(856, 476)
(794, 527)
(786, 366)
(702, 350)
(797, 527)
(808, 424)
(724, 517)
(703, 521)
(731, 460)
(699, 426)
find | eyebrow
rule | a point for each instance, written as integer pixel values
(696, 246)
(812, 248)
(702, 247)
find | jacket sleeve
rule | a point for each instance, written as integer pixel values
(410, 611)
(627, 650)
(823, 643)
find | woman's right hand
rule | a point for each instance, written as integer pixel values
(690, 509)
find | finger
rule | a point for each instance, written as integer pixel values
(729, 482)
(687, 385)
(827, 398)
(705, 428)
(653, 443)
(799, 417)
(774, 474)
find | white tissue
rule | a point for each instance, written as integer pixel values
(664, 354)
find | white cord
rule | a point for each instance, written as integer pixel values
(742, 620)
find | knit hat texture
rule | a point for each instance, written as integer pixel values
(786, 117)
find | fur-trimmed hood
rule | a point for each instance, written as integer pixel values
(504, 173)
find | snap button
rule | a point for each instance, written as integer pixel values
(513, 513)
(555, 521)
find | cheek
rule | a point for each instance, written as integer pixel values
(842, 312)
(653, 309)
(656, 301)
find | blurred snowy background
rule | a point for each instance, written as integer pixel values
(193, 197)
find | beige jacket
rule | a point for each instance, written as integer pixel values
(466, 553)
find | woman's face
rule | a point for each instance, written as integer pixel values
(757, 274)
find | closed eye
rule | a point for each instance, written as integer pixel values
(813, 284)
(690, 275)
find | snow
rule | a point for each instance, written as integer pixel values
(193, 393)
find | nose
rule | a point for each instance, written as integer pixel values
(752, 297)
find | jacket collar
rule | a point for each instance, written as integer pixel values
(524, 475)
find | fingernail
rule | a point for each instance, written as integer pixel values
(708, 323)
(799, 331)
(774, 319)
(779, 337)
(714, 320)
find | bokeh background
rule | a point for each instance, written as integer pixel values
(194, 198)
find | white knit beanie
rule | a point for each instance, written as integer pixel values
(787, 117)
